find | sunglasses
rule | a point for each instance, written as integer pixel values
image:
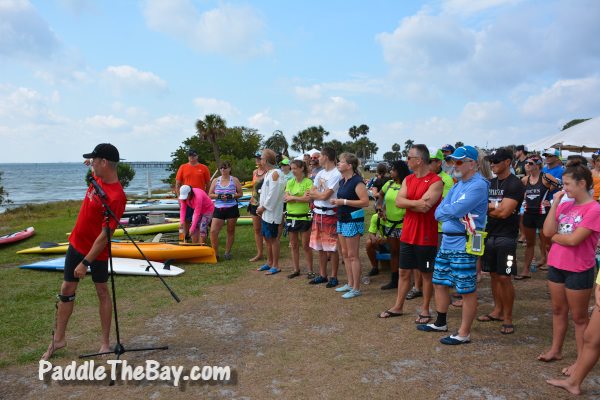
(461, 162)
(224, 167)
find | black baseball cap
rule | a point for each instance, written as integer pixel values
(522, 148)
(499, 155)
(104, 150)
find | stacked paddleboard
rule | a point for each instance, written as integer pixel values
(121, 266)
(185, 253)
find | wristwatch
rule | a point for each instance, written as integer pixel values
(86, 262)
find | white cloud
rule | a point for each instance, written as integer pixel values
(332, 112)
(125, 77)
(78, 7)
(469, 7)
(105, 121)
(426, 41)
(25, 105)
(23, 33)
(577, 98)
(231, 30)
(308, 92)
(263, 121)
(216, 106)
(350, 86)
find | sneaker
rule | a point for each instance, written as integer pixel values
(294, 274)
(345, 288)
(264, 267)
(374, 271)
(351, 294)
(227, 256)
(311, 275)
(333, 282)
(319, 279)
(413, 294)
(455, 339)
(432, 328)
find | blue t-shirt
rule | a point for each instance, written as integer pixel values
(465, 197)
(556, 172)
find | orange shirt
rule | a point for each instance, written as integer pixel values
(197, 176)
(596, 187)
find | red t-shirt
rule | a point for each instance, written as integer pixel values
(90, 220)
(420, 228)
(196, 176)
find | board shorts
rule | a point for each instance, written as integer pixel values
(298, 225)
(413, 256)
(225, 213)
(350, 229)
(323, 235)
(534, 221)
(269, 230)
(98, 268)
(500, 256)
(203, 223)
(455, 268)
(394, 233)
(572, 280)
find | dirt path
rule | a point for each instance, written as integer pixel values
(287, 339)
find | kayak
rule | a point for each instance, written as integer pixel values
(121, 266)
(146, 229)
(17, 236)
(192, 253)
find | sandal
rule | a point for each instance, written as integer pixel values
(522, 277)
(423, 319)
(294, 274)
(489, 318)
(389, 314)
(507, 329)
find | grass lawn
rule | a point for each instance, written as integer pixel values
(283, 338)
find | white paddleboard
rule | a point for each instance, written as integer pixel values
(121, 266)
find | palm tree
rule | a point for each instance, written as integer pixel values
(212, 128)
(278, 143)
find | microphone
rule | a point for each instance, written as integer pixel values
(97, 187)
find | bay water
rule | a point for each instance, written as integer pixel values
(37, 183)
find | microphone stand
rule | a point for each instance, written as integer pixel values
(108, 214)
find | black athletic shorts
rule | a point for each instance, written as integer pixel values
(189, 214)
(572, 280)
(500, 255)
(298, 225)
(72, 260)
(534, 221)
(227, 212)
(413, 256)
(252, 209)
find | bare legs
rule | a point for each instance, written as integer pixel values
(258, 238)
(65, 309)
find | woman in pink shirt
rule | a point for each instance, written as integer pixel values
(574, 229)
(203, 211)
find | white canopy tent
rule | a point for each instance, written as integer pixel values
(583, 137)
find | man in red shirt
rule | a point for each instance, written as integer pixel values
(194, 174)
(87, 247)
(420, 194)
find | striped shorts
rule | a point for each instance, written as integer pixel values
(457, 269)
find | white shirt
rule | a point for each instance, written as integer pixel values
(271, 196)
(324, 181)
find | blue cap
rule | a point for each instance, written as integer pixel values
(465, 152)
(551, 152)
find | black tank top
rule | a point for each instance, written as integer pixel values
(535, 194)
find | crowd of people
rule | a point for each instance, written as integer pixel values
(443, 219)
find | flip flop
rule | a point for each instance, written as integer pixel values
(421, 318)
(522, 277)
(489, 318)
(507, 329)
(390, 314)
(273, 271)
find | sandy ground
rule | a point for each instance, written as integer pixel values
(287, 339)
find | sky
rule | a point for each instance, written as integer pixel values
(138, 74)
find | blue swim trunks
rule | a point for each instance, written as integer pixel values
(457, 269)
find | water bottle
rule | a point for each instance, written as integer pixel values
(533, 266)
(365, 279)
(181, 235)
